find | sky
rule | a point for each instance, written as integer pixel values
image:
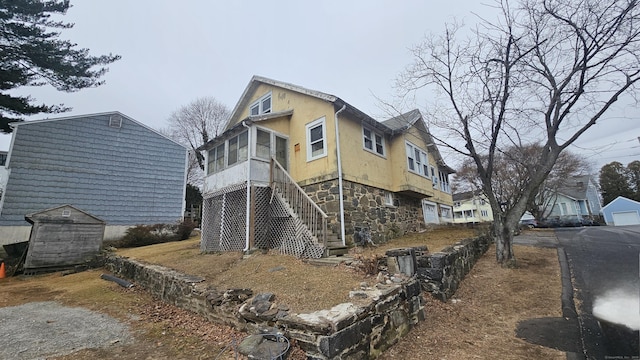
(173, 54)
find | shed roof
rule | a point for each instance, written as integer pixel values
(61, 212)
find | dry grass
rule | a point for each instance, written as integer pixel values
(435, 239)
(161, 331)
(480, 322)
(481, 325)
(301, 286)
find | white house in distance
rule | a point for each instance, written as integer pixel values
(471, 207)
(108, 165)
(622, 211)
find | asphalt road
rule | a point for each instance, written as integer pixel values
(602, 260)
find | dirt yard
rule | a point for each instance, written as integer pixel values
(479, 323)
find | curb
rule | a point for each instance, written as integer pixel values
(568, 305)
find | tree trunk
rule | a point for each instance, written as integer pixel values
(503, 236)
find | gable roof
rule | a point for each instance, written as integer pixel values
(74, 117)
(577, 188)
(620, 198)
(392, 127)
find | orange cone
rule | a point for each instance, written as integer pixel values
(2, 272)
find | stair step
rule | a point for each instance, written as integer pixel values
(328, 261)
(336, 250)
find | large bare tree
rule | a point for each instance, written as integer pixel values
(193, 125)
(542, 72)
(511, 173)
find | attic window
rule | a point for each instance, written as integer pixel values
(261, 106)
(115, 121)
(66, 213)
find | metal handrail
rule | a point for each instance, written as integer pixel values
(303, 206)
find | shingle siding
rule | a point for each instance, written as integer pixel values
(125, 176)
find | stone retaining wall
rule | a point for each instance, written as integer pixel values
(442, 272)
(376, 318)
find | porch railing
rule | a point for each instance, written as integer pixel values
(306, 209)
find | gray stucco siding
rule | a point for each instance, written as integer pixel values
(125, 176)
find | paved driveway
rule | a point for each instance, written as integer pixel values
(602, 260)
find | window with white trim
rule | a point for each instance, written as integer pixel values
(484, 213)
(261, 106)
(445, 212)
(373, 141)
(216, 159)
(417, 160)
(316, 139)
(388, 198)
(263, 144)
(238, 149)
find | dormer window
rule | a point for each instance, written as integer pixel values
(261, 106)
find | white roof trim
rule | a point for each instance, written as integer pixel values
(616, 199)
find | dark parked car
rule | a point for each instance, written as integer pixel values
(529, 223)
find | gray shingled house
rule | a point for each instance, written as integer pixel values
(109, 165)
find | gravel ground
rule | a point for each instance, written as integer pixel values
(43, 329)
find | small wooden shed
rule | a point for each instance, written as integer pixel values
(62, 236)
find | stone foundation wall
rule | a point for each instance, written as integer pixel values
(364, 207)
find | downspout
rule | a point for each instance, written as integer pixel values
(248, 205)
(342, 232)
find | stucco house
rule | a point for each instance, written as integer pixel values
(622, 211)
(108, 165)
(575, 202)
(306, 172)
(471, 207)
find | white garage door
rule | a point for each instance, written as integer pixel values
(626, 218)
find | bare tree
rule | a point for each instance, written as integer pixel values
(193, 125)
(543, 72)
(567, 167)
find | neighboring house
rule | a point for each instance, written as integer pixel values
(578, 200)
(622, 211)
(471, 207)
(107, 165)
(321, 173)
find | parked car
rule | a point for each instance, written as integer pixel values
(529, 223)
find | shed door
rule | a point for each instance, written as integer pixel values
(626, 218)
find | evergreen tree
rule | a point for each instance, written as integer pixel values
(32, 54)
(614, 182)
(633, 173)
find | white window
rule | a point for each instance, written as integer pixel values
(373, 141)
(417, 160)
(445, 212)
(444, 182)
(261, 106)
(388, 198)
(316, 139)
(216, 159)
(484, 213)
(263, 144)
(456, 204)
(411, 158)
(238, 149)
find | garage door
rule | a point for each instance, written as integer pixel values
(626, 218)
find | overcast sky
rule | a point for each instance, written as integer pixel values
(174, 52)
